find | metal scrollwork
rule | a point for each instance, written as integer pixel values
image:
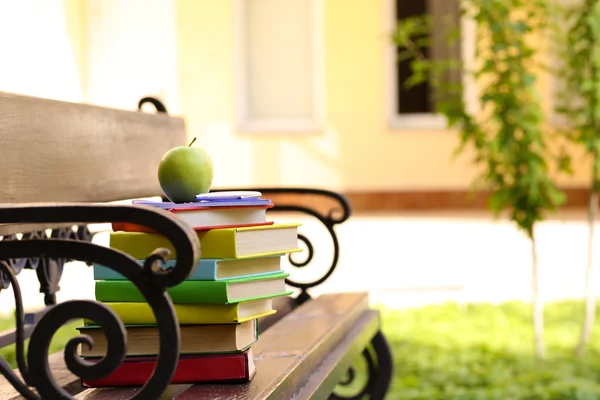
(33, 262)
(150, 279)
(159, 105)
(351, 376)
(48, 270)
(17, 264)
(336, 215)
(379, 370)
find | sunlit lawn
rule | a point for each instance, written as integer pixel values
(58, 342)
(486, 352)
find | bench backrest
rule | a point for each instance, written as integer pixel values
(56, 151)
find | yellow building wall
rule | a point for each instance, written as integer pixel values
(356, 151)
(75, 26)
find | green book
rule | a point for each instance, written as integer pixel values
(198, 292)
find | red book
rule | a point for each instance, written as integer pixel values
(135, 371)
(205, 218)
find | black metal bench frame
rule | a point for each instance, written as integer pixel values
(47, 254)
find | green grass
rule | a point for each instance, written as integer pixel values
(486, 352)
(474, 352)
(58, 342)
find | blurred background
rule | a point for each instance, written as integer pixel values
(295, 92)
(304, 93)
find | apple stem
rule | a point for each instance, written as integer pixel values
(192, 142)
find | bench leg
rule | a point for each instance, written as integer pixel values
(378, 358)
(49, 273)
(385, 366)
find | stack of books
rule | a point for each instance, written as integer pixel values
(218, 307)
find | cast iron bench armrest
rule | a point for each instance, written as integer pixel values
(329, 207)
(149, 278)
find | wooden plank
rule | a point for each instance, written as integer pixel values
(283, 305)
(55, 151)
(329, 373)
(108, 393)
(61, 374)
(125, 393)
(285, 354)
(288, 352)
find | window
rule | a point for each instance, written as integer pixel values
(417, 98)
(279, 65)
(414, 107)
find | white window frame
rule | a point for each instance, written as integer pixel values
(245, 123)
(425, 121)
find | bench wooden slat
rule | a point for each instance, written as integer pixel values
(69, 152)
(284, 306)
(284, 355)
(61, 374)
(332, 369)
(287, 353)
(172, 392)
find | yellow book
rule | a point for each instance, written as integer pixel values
(194, 314)
(243, 242)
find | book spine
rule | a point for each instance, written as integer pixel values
(127, 227)
(140, 245)
(218, 243)
(187, 314)
(215, 244)
(187, 292)
(222, 368)
(206, 270)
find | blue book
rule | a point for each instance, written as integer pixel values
(244, 202)
(210, 269)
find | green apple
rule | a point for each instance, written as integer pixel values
(185, 172)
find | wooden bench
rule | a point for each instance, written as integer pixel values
(74, 158)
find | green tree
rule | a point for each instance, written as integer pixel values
(579, 104)
(506, 135)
